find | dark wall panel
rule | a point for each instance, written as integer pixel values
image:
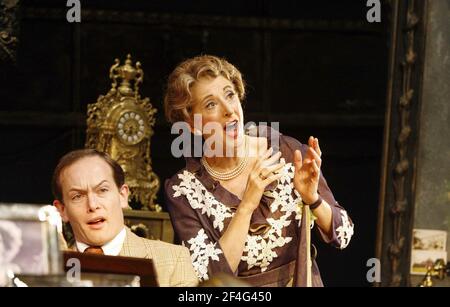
(45, 67)
(27, 159)
(327, 72)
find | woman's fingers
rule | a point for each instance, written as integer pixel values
(272, 178)
(262, 158)
(298, 160)
(309, 171)
(316, 168)
(312, 155)
(267, 162)
(267, 154)
(317, 147)
(315, 156)
(273, 168)
(272, 159)
(314, 143)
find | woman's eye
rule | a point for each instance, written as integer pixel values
(230, 95)
(210, 105)
(103, 190)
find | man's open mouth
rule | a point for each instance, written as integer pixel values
(96, 221)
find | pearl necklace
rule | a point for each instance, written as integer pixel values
(228, 175)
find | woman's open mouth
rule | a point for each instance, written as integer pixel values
(232, 129)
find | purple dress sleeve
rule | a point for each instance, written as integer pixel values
(342, 226)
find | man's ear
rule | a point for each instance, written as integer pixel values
(62, 210)
(124, 191)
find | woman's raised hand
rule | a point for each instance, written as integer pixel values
(307, 171)
(266, 170)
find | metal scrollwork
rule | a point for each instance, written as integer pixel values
(121, 124)
(8, 30)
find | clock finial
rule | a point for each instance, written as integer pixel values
(126, 74)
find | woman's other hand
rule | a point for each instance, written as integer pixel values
(307, 171)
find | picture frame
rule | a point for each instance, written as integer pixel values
(429, 239)
(428, 245)
(29, 240)
(422, 260)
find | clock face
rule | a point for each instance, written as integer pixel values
(130, 128)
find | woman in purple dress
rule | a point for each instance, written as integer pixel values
(240, 207)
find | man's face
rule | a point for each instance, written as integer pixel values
(92, 203)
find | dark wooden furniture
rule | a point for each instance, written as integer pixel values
(91, 263)
(150, 224)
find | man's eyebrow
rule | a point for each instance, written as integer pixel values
(102, 182)
(76, 190)
(82, 190)
(227, 86)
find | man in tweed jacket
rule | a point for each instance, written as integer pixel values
(90, 194)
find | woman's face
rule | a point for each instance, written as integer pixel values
(217, 101)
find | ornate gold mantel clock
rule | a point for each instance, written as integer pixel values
(121, 124)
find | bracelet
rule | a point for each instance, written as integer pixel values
(316, 204)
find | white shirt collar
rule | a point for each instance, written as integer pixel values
(112, 248)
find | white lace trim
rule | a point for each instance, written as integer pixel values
(201, 253)
(345, 231)
(200, 198)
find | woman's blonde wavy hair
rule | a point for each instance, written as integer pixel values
(178, 98)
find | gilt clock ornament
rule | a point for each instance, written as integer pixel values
(121, 124)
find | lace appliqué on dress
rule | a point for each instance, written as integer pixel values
(201, 253)
(345, 231)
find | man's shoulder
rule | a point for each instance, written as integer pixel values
(157, 245)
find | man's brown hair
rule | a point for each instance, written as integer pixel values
(76, 155)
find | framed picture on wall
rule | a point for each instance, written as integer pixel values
(428, 245)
